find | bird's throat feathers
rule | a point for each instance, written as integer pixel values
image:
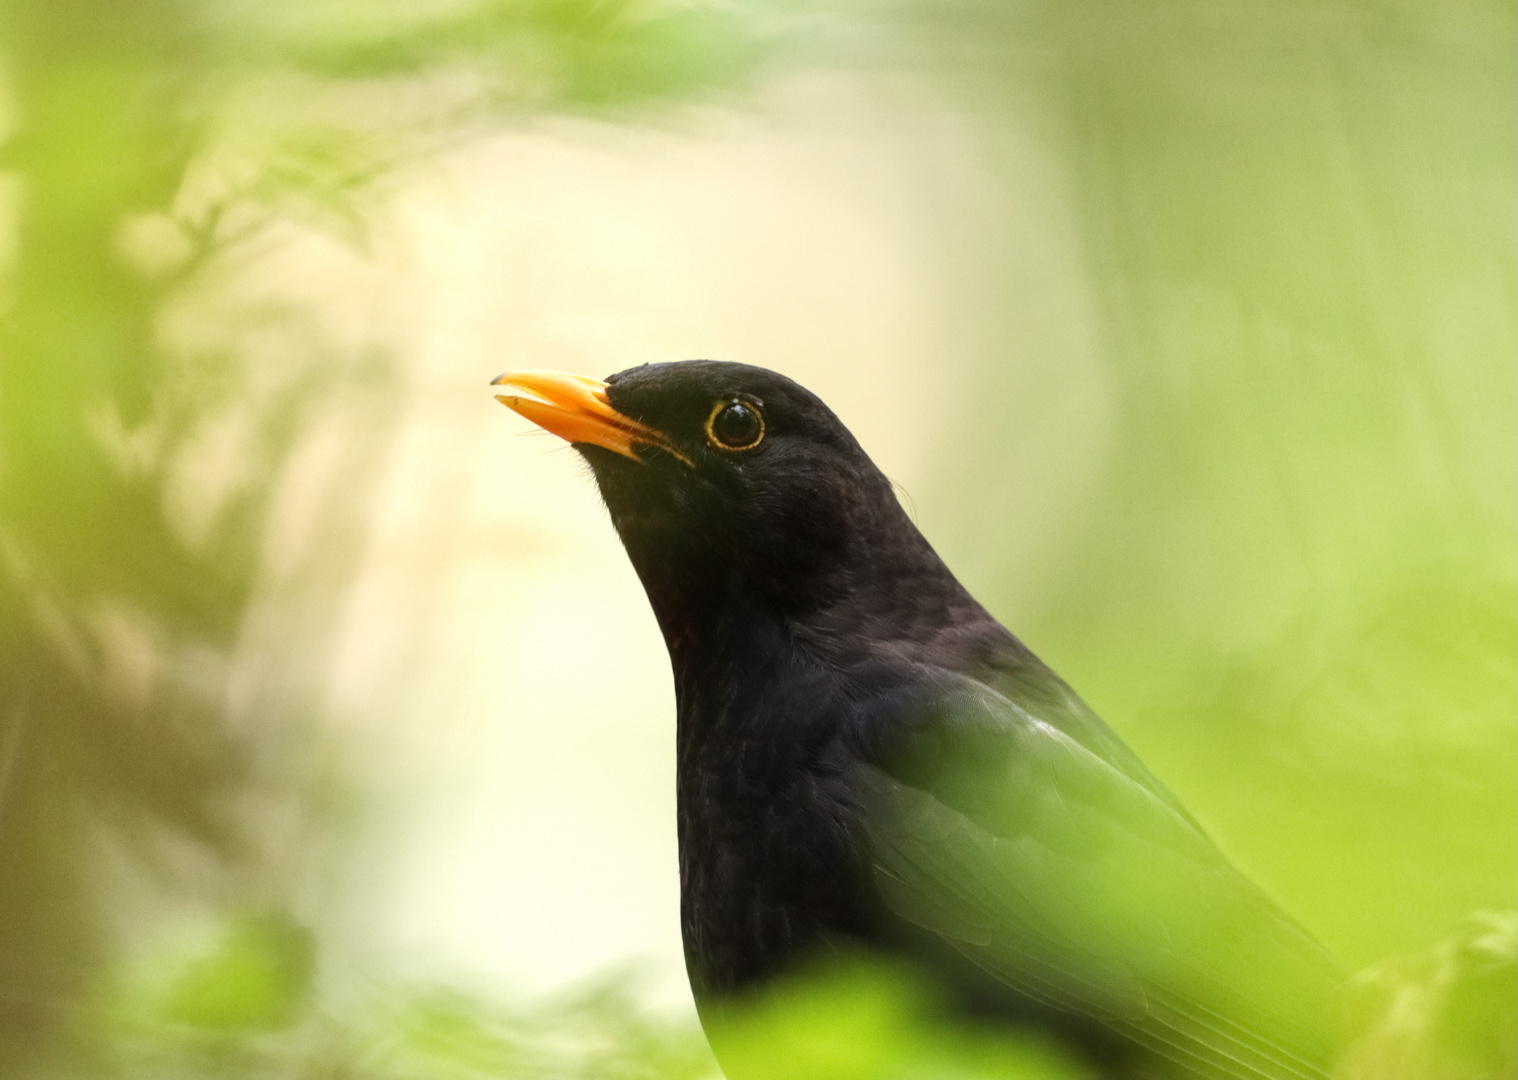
(724, 607)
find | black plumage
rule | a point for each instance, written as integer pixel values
(868, 760)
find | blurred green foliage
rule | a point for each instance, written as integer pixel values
(153, 150)
(857, 1019)
(253, 980)
(1446, 1012)
(243, 1006)
(1290, 582)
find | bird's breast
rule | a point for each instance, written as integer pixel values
(771, 867)
(767, 878)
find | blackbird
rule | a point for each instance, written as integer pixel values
(867, 761)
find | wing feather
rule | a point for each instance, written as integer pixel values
(1081, 884)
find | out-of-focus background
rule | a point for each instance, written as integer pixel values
(335, 735)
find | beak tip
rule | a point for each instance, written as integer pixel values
(575, 409)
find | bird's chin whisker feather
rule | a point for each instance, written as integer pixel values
(905, 498)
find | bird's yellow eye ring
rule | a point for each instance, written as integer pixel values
(735, 424)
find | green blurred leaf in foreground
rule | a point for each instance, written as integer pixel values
(243, 1005)
(1451, 1012)
(867, 1020)
(254, 980)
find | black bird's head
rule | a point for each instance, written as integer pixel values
(729, 482)
(722, 475)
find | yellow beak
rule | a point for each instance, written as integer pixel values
(575, 408)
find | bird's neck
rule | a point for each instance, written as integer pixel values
(705, 612)
(891, 600)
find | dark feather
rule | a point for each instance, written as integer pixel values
(867, 759)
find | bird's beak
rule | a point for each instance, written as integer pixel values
(575, 408)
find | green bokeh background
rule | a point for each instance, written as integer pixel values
(1266, 526)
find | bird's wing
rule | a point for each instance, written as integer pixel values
(1081, 884)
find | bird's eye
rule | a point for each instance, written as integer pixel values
(735, 425)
